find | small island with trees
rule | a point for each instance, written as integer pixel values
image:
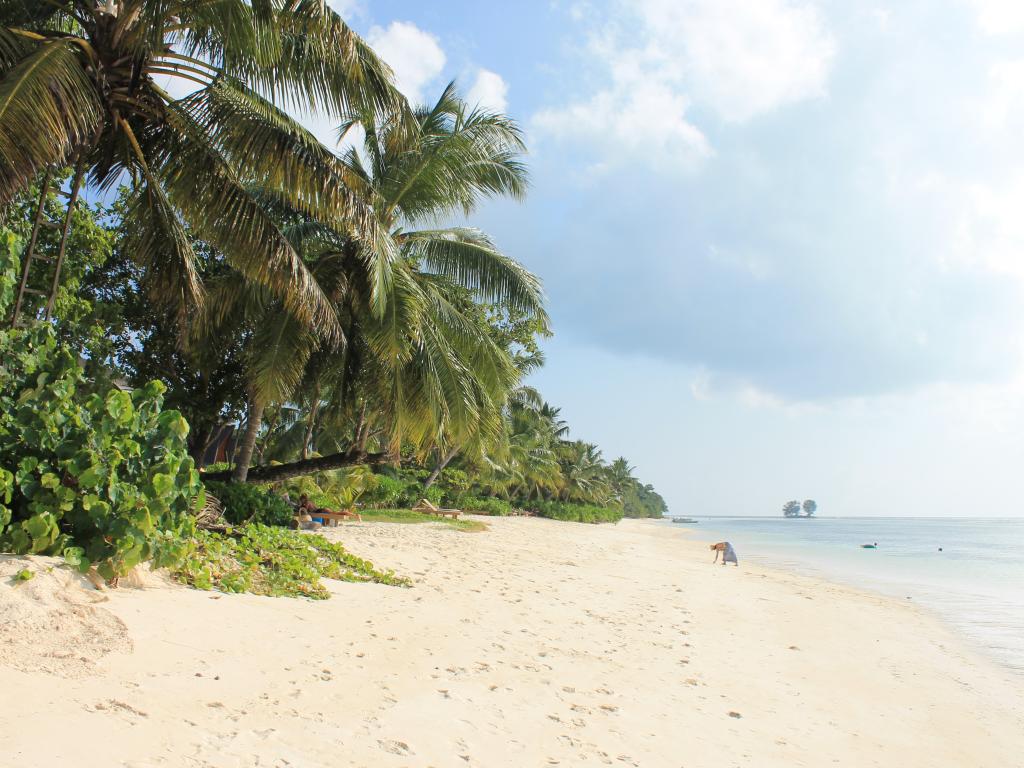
(793, 508)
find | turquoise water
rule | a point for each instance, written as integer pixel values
(976, 583)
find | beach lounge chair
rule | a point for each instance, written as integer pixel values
(331, 518)
(424, 506)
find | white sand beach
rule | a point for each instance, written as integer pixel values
(535, 643)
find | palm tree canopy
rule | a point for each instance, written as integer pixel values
(81, 81)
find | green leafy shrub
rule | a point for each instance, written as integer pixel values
(485, 505)
(435, 494)
(387, 494)
(394, 491)
(454, 484)
(274, 561)
(244, 502)
(103, 479)
(579, 513)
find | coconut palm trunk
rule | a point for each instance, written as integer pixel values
(443, 462)
(254, 418)
(307, 438)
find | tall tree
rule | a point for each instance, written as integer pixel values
(415, 342)
(89, 83)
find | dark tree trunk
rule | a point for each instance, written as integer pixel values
(311, 422)
(276, 473)
(243, 456)
(441, 464)
(270, 428)
(200, 442)
(76, 186)
(30, 251)
(362, 430)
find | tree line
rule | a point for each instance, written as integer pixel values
(315, 298)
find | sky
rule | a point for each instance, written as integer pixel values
(782, 240)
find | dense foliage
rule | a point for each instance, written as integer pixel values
(243, 503)
(100, 477)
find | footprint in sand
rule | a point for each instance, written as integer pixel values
(395, 747)
(118, 707)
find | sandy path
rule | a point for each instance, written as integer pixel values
(536, 643)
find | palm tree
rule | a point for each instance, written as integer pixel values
(620, 475)
(584, 473)
(414, 340)
(80, 84)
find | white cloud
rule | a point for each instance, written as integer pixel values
(346, 8)
(647, 119)
(1003, 101)
(999, 17)
(657, 58)
(991, 228)
(743, 57)
(489, 90)
(415, 56)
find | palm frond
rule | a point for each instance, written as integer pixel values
(469, 258)
(48, 108)
(278, 355)
(204, 187)
(158, 241)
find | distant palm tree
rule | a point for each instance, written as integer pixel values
(583, 471)
(80, 84)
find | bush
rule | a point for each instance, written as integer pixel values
(387, 494)
(485, 505)
(103, 479)
(579, 513)
(274, 561)
(244, 502)
(399, 489)
(434, 494)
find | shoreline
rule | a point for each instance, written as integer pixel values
(533, 643)
(931, 597)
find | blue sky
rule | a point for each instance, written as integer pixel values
(782, 239)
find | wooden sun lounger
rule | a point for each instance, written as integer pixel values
(332, 518)
(427, 508)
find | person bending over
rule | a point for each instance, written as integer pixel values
(728, 553)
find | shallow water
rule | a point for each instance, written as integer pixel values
(976, 583)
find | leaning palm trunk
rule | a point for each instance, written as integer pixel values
(254, 418)
(443, 462)
(275, 473)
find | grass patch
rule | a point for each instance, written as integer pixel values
(409, 516)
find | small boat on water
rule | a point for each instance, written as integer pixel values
(684, 520)
(869, 546)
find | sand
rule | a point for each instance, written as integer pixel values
(535, 643)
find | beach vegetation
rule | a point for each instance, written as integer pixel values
(244, 503)
(274, 561)
(236, 290)
(102, 478)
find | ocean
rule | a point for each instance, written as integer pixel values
(975, 583)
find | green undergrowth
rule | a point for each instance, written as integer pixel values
(267, 560)
(411, 516)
